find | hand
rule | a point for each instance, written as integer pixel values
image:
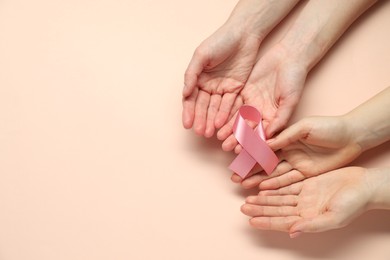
(312, 146)
(274, 87)
(221, 65)
(321, 203)
(216, 74)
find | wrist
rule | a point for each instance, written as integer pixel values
(303, 46)
(359, 133)
(258, 18)
(319, 26)
(369, 125)
(378, 183)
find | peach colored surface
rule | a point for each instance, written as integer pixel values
(94, 162)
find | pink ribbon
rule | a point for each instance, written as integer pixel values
(255, 149)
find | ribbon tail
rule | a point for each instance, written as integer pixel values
(242, 164)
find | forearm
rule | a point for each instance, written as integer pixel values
(319, 26)
(259, 17)
(370, 122)
(378, 183)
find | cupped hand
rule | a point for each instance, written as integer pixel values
(325, 202)
(274, 87)
(215, 75)
(311, 146)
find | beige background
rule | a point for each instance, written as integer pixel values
(94, 162)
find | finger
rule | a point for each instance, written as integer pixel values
(269, 211)
(253, 181)
(229, 143)
(274, 223)
(188, 114)
(248, 184)
(257, 176)
(198, 61)
(256, 169)
(215, 101)
(201, 105)
(290, 135)
(278, 200)
(236, 178)
(254, 177)
(282, 116)
(237, 104)
(226, 130)
(281, 169)
(282, 180)
(280, 155)
(225, 109)
(250, 180)
(293, 189)
(237, 149)
(324, 222)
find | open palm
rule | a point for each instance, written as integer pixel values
(217, 72)
(324, 202)
(274, 87)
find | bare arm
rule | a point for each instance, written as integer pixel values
(371, 121)
(319, 26)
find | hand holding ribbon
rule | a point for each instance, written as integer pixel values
(255, 149)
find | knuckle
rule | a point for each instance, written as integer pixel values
(200, 52)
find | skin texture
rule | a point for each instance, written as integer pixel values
(276, 82)
(219, 69)
(315, 145)
(219, 78)
(221, 65)
(297, 198)
(312, 146)
(274, 87)
(325, 202)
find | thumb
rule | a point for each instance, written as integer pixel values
(283, 114)
(198, 61)
(290, 135)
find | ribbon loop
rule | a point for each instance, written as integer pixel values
(255, 149)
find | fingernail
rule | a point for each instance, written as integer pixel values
(295, 234)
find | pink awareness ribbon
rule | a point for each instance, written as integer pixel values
(255, 149)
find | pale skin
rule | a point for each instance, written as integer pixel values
(306, 193)
(220, 78)
(316, 145)
(321, 203)
(221, 65)
(316, 29)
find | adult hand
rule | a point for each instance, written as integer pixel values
(321, 203)
(312, 34)
(221, 65)
(311, 146)
(274, 87)
(216, 74)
